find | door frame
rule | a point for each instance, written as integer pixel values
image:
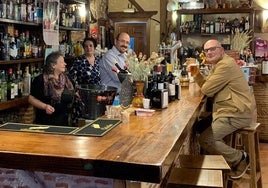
(142, 17)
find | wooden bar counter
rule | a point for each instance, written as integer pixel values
(142, 150)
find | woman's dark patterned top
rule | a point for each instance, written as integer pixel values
(82, 72)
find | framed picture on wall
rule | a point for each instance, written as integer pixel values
(265, 21)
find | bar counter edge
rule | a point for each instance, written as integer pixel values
(142, 150)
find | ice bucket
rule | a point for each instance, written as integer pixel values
(94, 99)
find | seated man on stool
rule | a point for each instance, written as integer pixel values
(232, 106)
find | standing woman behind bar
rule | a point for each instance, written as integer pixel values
(52, 92)
(85, 69)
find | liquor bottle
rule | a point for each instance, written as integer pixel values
(22, 45)
(17, 8)
(10, 85)
(242, 25)
(3, 86)
(246, 24)
(207, 27)
(71, 17)
(217, 25)
(171, 87)
(9, 10)
(2, 47)
(26, 82)
(34, 48)
(63, 15)
(18, 43)
(23, 11)
(77, 17)
(15, 84)
(211, 27)
(4, 9)
(13, 50)
(6, 42)
(20, 83)
(39, 13)
(27, 45)
(228, 27)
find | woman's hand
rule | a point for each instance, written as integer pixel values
(49, 109)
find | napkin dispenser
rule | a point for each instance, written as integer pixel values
(159, 98)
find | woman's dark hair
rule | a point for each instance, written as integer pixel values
(90, 39)
(51, 60)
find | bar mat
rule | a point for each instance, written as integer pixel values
(99, 127)
(38, 128)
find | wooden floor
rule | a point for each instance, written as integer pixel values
(264, 169)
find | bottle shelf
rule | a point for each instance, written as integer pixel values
(19, 22)
(4, 105)
(30, 60)
(74, 1)
(216, 11)
(72, 29)
(205, 34)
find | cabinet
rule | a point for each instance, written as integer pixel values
(195, 26)
(9, 26)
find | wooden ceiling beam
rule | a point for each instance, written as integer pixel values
(136, 5)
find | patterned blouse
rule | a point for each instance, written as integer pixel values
(82, 72)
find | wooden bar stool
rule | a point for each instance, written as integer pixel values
(248, 139)
(189, 177)
(216, 162)
(198, 171)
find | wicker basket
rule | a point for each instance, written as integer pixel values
(27, 114)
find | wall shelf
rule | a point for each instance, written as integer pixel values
(4, 105)
(19, 22)
(216, 11)
(20, 61)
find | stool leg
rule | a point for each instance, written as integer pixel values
(258, 164)
(252, 158)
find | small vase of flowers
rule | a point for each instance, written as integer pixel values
(141, 67)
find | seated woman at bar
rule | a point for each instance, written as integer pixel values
(52, 92)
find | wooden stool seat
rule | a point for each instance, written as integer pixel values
(187, 177)
(248, 139)
(216, 162)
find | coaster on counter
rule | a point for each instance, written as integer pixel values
(99, 127)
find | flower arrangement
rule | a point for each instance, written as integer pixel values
(241, 40)
(140, 67)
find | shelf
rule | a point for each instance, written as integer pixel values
(74, 1)
(30, 60)
(206, 34)
(72, 29)
(216, 11)
(19, 22)
(13, 103)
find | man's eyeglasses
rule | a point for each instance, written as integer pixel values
(212, 49)
(123, 41)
